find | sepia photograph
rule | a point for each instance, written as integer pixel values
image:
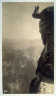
(28, 47)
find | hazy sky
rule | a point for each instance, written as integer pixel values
(17, 20)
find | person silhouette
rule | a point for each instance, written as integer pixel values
(36, 9)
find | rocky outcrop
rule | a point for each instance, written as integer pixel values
(45, 67)
(46, 86)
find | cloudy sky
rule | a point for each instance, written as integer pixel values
(17, 20)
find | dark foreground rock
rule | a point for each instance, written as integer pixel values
(45, 86)
(45, 67)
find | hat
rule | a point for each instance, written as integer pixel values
(47, 14)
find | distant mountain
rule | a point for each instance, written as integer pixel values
(19, 62)
(22, 44)
(19, 59)
(31, 48)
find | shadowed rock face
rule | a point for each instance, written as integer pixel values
(34, 85)
(46, 86)
(46, 60)
(46, 26)
(47, 32)
(45, 66)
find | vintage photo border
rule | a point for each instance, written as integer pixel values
(1, 87)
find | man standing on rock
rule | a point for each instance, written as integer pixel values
(45, 66)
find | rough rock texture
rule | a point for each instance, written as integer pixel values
(45, 66)
(46, 86)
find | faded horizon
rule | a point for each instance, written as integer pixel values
(17, 20)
